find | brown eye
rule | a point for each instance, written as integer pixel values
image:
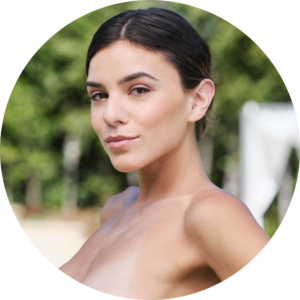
(139, 91)
(99, 96)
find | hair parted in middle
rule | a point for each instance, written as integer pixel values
(166, 32)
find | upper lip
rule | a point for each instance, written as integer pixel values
(119, 138)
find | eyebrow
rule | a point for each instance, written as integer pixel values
(123, 80)
(93, 84)
(134, 76)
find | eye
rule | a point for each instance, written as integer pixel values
(98, 96)
(139, 91)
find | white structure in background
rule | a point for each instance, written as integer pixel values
(268, 132)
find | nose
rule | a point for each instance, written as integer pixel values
(115, 112)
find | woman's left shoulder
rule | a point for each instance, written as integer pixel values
(215, 203)
(223, 228)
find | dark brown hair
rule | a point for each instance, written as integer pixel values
(164, 31)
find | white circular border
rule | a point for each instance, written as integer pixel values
(26, 25)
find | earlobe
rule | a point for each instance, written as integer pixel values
(202, 97)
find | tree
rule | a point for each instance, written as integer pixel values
(49, 107)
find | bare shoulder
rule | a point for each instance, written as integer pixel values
(212, 205)
(114, 204)
(224, 230)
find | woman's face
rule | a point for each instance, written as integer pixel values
(139, 109)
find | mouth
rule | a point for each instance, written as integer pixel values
(119, 141)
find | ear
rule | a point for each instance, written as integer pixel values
(202, 96)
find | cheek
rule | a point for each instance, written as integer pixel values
(167, 120)
(97, 120)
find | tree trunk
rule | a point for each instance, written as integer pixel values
(71, 150)
(33, 193)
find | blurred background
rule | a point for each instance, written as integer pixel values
(56, 174)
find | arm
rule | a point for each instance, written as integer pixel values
(111, 207)
(225, 232)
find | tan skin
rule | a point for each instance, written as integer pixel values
(178, 233)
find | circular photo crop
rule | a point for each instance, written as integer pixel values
(149, 150)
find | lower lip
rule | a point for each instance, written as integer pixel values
(119, 144)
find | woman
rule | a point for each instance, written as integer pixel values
(149, 80)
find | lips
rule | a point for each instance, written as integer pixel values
(119, 141)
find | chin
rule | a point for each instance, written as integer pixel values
(124, 165)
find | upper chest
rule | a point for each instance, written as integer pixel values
(144, 239)
(137, 250)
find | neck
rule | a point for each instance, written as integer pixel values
(177, 173)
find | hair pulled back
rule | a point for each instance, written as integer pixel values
(164, 31)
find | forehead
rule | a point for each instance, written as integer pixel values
(123, 57)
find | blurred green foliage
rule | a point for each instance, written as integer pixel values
(271, 218)
(49, 102)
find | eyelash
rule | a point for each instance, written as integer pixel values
(140, 88)
(98, 94)
(103, 95)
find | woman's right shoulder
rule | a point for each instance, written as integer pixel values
(114, 204)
